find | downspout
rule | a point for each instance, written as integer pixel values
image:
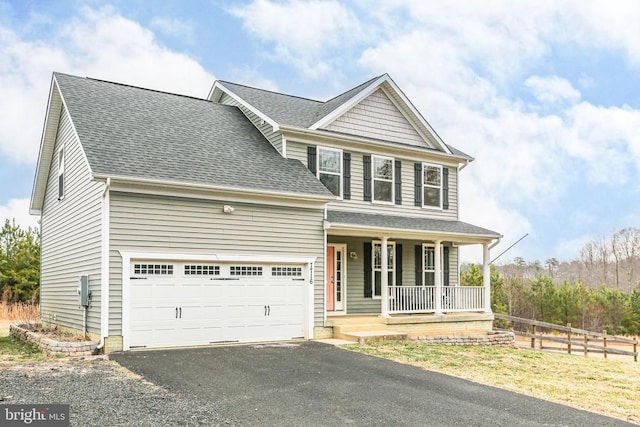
(104, 293)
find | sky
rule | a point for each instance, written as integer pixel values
(545, 95)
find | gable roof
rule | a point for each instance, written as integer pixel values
(131, 132)
(286, 110)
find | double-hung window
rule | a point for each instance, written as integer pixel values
(61, 174)
(330, 169)
(429, 265)
(383, 173)
(376, 258)
(431, 186)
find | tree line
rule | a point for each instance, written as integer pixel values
(19, 263)
(598, 291)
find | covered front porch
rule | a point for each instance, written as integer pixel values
(418, 289)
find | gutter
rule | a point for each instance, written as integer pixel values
(221, 189)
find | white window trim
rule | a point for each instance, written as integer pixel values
(424, 270)
(373, 180)
(374, 270)
(341, 163)
(424, 167)
(61, 172)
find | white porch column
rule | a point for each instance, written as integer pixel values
(486, 277)
(438, 273)
(384, 279)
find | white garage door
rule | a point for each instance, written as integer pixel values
(195, 303)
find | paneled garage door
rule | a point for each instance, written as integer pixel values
(195, 303)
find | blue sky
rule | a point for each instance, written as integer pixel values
(544, 94)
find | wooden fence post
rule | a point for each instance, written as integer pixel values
(635, 349)
(569, 338)
(604, 340)
(533, 338)
(586, 343)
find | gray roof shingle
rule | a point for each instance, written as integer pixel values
(140, 133)
(409, 223)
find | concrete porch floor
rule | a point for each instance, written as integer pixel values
(363, 328)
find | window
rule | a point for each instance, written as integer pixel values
(61, 174)
(383, 173)
(330, 169)
(201, 270)
(431, 186)
(286, 271)
(153, 269)
(245, 270)
(429, 265)
(376, 259)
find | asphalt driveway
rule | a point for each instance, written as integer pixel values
(314, 384)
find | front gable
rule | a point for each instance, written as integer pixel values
(378, 117)
(383, 112)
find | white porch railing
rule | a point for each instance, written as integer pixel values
(421, 299)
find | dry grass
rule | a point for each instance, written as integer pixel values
(604, 386)
(20, 312)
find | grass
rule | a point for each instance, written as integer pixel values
(604, 386)
(13, 350)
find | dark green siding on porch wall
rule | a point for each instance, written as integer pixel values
(356, 302)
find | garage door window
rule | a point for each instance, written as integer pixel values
(286, 271)
(245, 270)
(153, 269)
(201, 270)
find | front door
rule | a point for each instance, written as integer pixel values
(336, 275)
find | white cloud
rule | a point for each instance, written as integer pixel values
(175, 28)
(18, 210)
(97, 43)
(302, 32)
(552, 90)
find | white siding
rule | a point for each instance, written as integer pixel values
(169, 224)
(377, 117)
(297, 150)
(275, 138)
(71, 236)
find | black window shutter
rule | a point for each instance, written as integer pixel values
(367, 270)
(346, 176)
(445, 188)
(445, 263)
(418, 265)
(366, 161)
(398, 265)
(417, 167)
(311, 158)
(398, 182)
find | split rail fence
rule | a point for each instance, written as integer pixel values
(590, 341)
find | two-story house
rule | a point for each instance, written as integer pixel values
(250, 216)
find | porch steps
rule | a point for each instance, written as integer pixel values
(363, 333)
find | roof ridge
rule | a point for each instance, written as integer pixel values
(354, 88)
(132, 86)
(272, 91)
